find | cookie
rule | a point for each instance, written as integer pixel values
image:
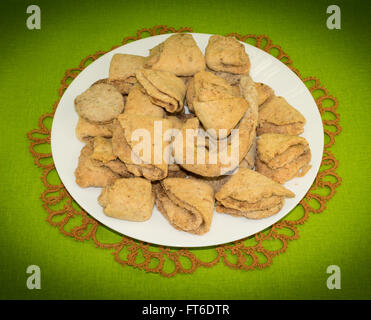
(216, 103)
(124, 146)
(277, 116)
(210, 87)
(282, 157)
(138, 102)
(187, 204)
(128, 199)
(246, 135)
(101, 103)
(226, 54)
(124, 66)
(219, 117)
(252, 195)
(164, 88)
(178, 54)
(90, 173)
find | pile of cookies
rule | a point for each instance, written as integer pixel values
(179, 88)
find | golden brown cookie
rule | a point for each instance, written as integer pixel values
(213, 164)
(252, 195)
(128, 199)
(246, 135)
(101, 103)
(219, 117)
(278, 116)
(216, 103)
(207, 86)
(90, 173)
(226, 54)
(141, 159)
(138, 102)
(187, 204)
(102, 156)
(178, 54)
(210, 87)
(164, 88)
(282, 157)
(124, 66)
(122, 71)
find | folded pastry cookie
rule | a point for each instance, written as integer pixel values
(138, 102)
(226, 54)
(164, 89)
(277, 116)
(246, 135)
(101, 103)
(210, 87)
(216, 161)
(141, 155)
(128, 199)
(86, 130)
(91, 173)
(252, 195)
(187, 204)
(216, 103)
(219, 117)
(207, 86)
(178, 54)
(122, 71)
(282, 157)
(102, 155)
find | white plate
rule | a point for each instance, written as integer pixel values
(224, 228)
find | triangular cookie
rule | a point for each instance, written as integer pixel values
(178, 54)
(188, 204)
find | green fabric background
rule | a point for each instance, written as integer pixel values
(32, 64)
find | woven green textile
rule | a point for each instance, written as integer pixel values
(34, 61)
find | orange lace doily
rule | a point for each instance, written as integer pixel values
(254, 252)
